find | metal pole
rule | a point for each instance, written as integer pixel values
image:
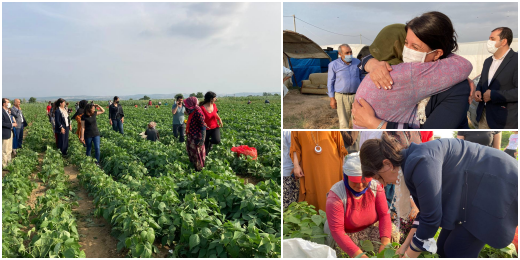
(294, 21)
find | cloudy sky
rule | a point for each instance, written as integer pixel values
(139, 48)
(472, 21)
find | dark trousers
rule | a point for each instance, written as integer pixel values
(212, 137)
(178, 131)
(63, 141)
(458, 243)
(510, 152)
(96, 141)
(19, 137)
(117, 125)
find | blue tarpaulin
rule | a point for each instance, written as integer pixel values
(302, 68)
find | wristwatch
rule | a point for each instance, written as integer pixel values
(381, 124)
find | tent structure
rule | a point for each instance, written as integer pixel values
(302, 55)
(477, 53)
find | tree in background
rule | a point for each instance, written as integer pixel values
(193, 95)
(131, 99)
(199, 95)
(266, 94)
(32, 100)
(23, 100)
(145, 98)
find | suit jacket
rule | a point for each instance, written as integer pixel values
(502, 109)
(455, 182)
(446, 110)
(59, 121)
(7, 126)
(18, 116)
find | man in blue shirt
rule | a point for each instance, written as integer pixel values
(344, 78)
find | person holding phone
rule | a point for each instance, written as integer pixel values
(178, 110)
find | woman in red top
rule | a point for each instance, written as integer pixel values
(357, 210)
(426, 136)
(49, 108)
(212, 120)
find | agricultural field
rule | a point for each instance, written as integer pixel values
(146, 199)
(301, 220)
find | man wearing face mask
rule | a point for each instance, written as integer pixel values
(343, 81)
(497, 89)
(7, 132)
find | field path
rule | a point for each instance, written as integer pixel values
(94, 232)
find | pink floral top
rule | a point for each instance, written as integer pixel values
(412, 83)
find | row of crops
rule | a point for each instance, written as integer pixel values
(150, 193)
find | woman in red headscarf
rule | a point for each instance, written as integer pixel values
(195, 133)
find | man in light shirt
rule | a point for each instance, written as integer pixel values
(16, 111)
(497, 90)
(343, 81)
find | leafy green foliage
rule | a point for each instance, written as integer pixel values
(506, 252)
(301, 220)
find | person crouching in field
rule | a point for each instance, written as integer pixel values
(151, 133)
(357, 210)
(195, 133)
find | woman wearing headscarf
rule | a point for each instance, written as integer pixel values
(469, 190)
(79, 112)
(318, 160)
(426, 45)
(195, 133)
(357, 211)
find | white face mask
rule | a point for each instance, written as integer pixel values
(491, 46)
(410, 55)
(8, 105)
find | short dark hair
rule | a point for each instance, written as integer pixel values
(115, 98)
(374, 151)
(435, 30)
(179, 96)
(505, 33)
(365, 51)
(4, 100)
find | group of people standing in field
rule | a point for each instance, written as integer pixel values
(202, 128)
(13, 123)
(402, 186)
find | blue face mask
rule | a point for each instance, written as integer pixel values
(348, 58)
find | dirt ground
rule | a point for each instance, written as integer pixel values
(94, 232)
(307, 111)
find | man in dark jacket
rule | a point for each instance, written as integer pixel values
(497, 90)
(7, 133)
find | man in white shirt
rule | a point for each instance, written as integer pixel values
(7, 133)
(497, 90)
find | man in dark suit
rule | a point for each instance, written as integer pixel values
(7, 132)
(497, 90)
